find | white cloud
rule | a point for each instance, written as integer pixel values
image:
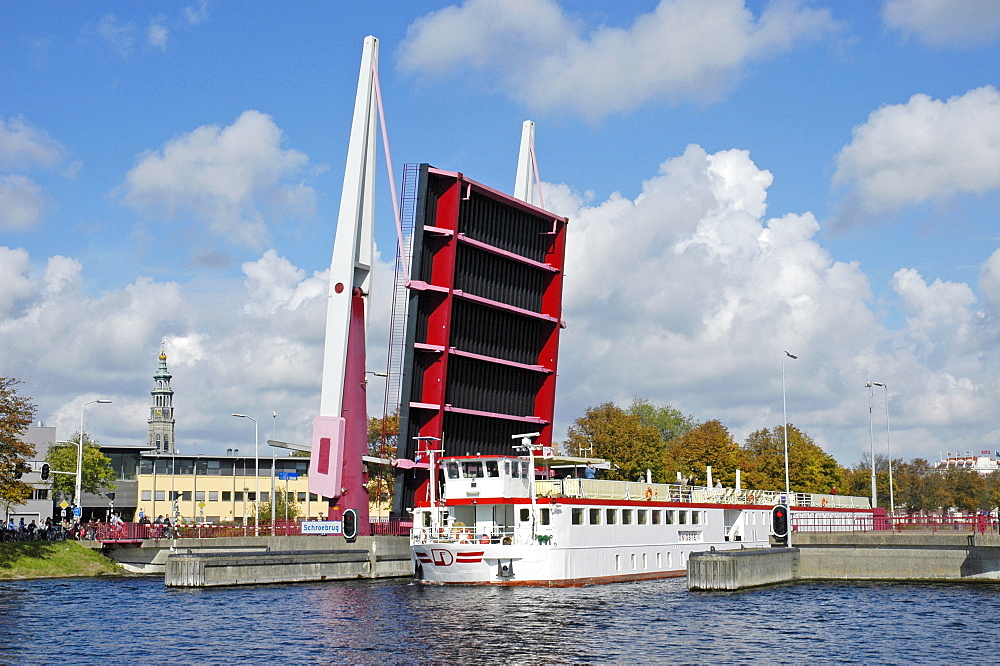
(157, 33)
(683, 49)
(118, 36)
(228, 178)
(956, 23)
(688, 294)
(923, 150)
(197, 13)
(23, 147)
(22, 204)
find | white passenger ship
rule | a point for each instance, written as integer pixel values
(496, 524)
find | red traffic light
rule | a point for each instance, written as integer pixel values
(779, 521)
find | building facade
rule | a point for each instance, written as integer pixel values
(161, 421)
(39, 505)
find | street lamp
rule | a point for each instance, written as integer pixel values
(784, 413)
(888, 448)
(274, 501)
(78, 499)
(256, 474)
(871, 433)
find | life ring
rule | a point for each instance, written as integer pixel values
(649, 493)
(485, 539)
(823, 502)
(750, 498)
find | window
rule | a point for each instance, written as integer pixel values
(199, 496)
(696, 517)
(525, 515)
(642, 516)
(265, 497)
(577, 516)
(239, 496)
(645, 564)
(160, 495)
(492, 468)
(186, 496)
(544, 516)
(515, 470)
(227, 496)
(657, 516)
(682, 517)
(524, 470)
(627, 517)
(453, 470)
(312, 497)
(611, 516)
(213, 495)
(618, 562)
(302, 497)
(473, 470)
(147, 495)
(632, 560)
(595, 516)
(669, 515)
(40, 494)
(659, 560)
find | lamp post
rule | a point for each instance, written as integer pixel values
(78, 499)
(274, 499)
(871, 433)
(888, 448)
(784, 418)
(256, 474)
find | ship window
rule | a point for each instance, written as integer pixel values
(453, 470)
(595, 516)
(426, 518)
(618, 562)
(669, 515)
(473, 470)
(525, 515)
(656, 516)
(515, 470)
(544, 516)
(642, 516)
(577, 516)
(632, 559)
(645, 562)
(524, 470)
(492, 469)
(682, 517)
(626, 516)
(612, 516)
(695, 517)
(659, 560)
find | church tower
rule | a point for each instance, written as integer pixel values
(161, 413)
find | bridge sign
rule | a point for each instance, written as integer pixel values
(288, 476)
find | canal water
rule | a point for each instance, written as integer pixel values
(140, 621)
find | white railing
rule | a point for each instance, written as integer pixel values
(602, 489)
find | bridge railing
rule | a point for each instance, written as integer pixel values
(133, 532)
(899, 523)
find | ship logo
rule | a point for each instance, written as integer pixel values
(442, 557)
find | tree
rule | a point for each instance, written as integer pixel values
(669, 422)
(17, 413)
(810, 468)
(279, 503)
(98, 474)
(707, 444)
(383, 434)
(608, 432)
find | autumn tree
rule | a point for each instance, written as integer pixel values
(669, 422)
(383, 435)
(707, 444)
(17, 412)
(810, 468)
(281, 505)
(98, 475)
(608, 432)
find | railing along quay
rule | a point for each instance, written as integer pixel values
(136, 532)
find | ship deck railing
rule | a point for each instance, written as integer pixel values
(469, 534)
(605, 489)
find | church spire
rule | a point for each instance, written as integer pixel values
(161, 412)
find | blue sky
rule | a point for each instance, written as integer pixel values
(741, 179)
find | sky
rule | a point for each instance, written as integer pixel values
(742, 179)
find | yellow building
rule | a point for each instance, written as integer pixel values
(222, 489)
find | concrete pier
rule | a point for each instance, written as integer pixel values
(884, 555)
(739, 569)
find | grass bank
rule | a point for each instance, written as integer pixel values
(53, 559)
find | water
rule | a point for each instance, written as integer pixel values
(139, 620)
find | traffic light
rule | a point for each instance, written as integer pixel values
(350, 524)
(45, 472)
(779, 522)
